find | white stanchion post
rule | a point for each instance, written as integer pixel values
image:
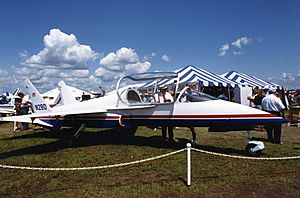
(15, 126)
(188, 165)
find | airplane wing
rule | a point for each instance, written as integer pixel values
(6, 111)
(35, 117)
(25, 119)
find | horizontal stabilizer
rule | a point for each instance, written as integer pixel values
(16, 119)
(7, 111)
(28, 118)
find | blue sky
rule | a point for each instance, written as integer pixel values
(88, 43)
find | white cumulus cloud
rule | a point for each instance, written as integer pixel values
(61, 51)
(223, 49)
(106, 75)
(122, 62)
(138, 67)
(287, 80)
(165, 58)
(117, 61)
(241, 41)
(287, 77)
(65, 58)
(238, 43)
(149, 57)
(3, 73)
(8, 81)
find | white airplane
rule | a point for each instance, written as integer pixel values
(125, 108)
(7, 102)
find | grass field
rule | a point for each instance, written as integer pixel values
(212, 176)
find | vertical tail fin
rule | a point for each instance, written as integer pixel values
(39, 105)
(66, 94)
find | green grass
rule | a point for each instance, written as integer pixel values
(212, 176)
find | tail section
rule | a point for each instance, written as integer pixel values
(66, 95)
(39, 105)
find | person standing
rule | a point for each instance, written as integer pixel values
(188, 96)
(163, 97)
(24, 109)
(252, 96)
(18, 102)
(272, 104)
(258, 99)
(192, 86)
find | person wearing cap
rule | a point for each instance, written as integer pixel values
(163, 97)
(273, 105)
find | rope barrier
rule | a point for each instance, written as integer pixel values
(92, 167)
(146, 160)
(244, 157)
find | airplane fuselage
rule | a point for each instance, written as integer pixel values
(218, 113)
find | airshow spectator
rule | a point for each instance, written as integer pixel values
(273, 105)
(163, 97)
(24, 109)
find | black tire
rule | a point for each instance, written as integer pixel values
(250, 152)
(128, 132)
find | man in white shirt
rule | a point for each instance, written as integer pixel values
(163, 97)
(274, 105)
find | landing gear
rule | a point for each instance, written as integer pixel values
(254, 148)
(78, 130)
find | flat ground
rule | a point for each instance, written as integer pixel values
(212, 176)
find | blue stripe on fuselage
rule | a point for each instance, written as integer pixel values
(97, 123)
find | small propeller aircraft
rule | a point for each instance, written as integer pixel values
(127, 108)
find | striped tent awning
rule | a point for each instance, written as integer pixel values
(194, 74)
(246, 80)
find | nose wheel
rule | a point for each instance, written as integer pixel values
(254, 148)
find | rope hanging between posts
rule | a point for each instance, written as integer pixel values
(92, 167)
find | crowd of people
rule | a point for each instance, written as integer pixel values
(265, 99)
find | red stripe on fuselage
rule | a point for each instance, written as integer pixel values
(257, 116)
(205, 116)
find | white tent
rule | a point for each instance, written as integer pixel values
(194, 74)
(246, 80)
